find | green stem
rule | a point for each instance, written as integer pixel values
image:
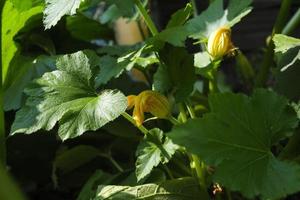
(182, 112)
(213, 82)
(168, 171)
(191, 111)
(132, 121)
(292, 24)
(195, 163)
(173, 120)
(2, 119)
(115, 164)
(193, 2)
(263, 73)
(147, 17)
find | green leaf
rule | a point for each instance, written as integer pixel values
(109, 68)
(110, 14)
(23, 5)
(88, 191)
(288, 82)
(179, 189)
(215, 16)
(237, 137)
(125, 7)
(56, 9)
(10, 27)
(84, 28)
(8, 188)
(175, 32)
(67, 95)
(284, 43)
(22, 71)
(181, 16)
(154, 149)
(177, 74)
(70, 159)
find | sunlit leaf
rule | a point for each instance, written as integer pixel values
(67, 95)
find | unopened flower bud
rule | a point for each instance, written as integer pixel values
(219, 43)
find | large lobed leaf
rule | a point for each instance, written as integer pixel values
(178, 189)
(152, 151)
(67, 95)
(237, 137)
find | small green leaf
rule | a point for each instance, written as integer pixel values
(181, 16)
(237, 137)
(283, 43)
(179, 189)
(67, 95)
(154, 149)
(56, 9)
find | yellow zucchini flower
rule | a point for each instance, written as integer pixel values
(148, 101)
(219, 43)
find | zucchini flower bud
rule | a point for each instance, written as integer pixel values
(151, 102)
(219, 43)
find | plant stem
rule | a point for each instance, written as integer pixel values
(292, 24)
(263, 73)
(132, 121)
(115, 164)
(173, 120)
(193, 2)
(2, 119)
(191, 111)
(147, 17)
(168, 171)
(195, 163)
(213, 82)
(182, 112)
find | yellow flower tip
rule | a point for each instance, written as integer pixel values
(149, 101)
(219, 43)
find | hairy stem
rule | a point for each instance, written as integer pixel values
(147, 17)
(132, 121)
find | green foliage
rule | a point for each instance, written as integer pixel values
(68, 95)
(237, 137)
(176, 74)
(283, 44)
(10, 27)
(215, 16)
(22, 71)
(152, 151)
(87, 29)
(179, 189)
(8, 188)
(56, 9)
